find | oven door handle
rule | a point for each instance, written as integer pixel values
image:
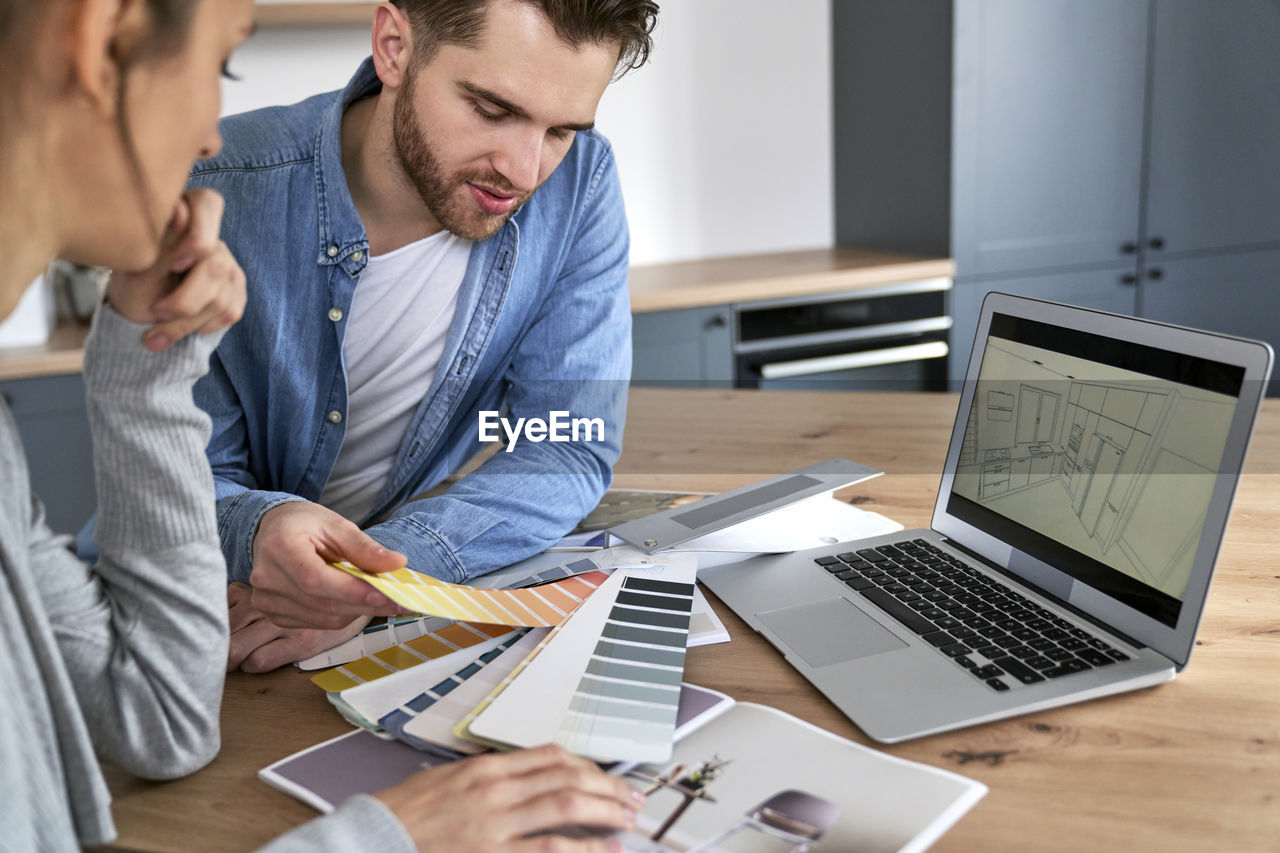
(852, 360)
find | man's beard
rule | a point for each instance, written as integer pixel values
(438, 192)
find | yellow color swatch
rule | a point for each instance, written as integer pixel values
(533, 607)
(428, 647)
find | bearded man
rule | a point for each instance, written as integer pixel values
(443, 238)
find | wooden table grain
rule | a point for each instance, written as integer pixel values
(1193, 764)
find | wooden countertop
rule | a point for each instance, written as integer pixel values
(1190, 765)
(747, 278)
(654, 287)
(62, 353)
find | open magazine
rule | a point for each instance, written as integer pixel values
(743, 777)
(758, 779)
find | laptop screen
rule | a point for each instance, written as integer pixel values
(1096, 455)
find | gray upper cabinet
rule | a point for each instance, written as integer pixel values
(1134, 142)
(1215, 126)
(1047, 145)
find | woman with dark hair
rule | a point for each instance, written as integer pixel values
(105, 105)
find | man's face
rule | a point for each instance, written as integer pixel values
(478, 129)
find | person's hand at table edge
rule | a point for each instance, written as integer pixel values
(259, 645)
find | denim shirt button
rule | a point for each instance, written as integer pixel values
(357, 256)
(332, 251)
(335, 417)
(335, 314)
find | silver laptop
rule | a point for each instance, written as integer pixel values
(1083, 500)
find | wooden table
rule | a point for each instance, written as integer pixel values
(1191, 765)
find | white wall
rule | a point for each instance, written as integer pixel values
(723, 139)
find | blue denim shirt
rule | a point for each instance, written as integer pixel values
(543, 324)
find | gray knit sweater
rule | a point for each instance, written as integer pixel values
(123, 661)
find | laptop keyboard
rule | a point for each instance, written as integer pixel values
(999, 635)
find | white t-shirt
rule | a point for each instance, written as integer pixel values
(396, 329)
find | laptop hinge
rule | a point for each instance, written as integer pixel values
(1057, 600)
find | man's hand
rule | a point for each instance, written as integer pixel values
(260, 645)
(493, 802)
(194, 286)
(294, 586)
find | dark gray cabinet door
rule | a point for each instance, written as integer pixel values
(689, 347)
(1215, 125)
(1048, 129)
(1236, 294)
(50, 412)
(1109, 289)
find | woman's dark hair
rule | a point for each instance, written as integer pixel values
(630, 23)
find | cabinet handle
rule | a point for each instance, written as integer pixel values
(1155, 274)
(1128, 278)
(1129, 248)
(1156, 242)
(716, 321)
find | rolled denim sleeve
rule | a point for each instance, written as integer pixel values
(240, 504)
(575, 358)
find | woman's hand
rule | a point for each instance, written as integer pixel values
(495, 802)
(194, 286)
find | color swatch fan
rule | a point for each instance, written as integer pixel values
(606, 683)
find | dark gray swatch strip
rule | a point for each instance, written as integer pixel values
(651, 585)
(643, 635)
(649, 617)
(657, 602)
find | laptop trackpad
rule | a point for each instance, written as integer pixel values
(831, 631)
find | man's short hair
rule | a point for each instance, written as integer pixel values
(629, 23)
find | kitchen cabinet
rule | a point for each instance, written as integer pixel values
(690, 347)
(1047, 130)
(1042, 467)
(1214, 127)
(1232, 293)
(1104, 462)
(1019, 472)
(995, 478)
(1113, 155)
(1109, 288)
(1037, 413)
(52, 421)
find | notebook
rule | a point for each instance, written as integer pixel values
(1082, 503)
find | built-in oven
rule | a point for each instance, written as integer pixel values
(888, 338)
